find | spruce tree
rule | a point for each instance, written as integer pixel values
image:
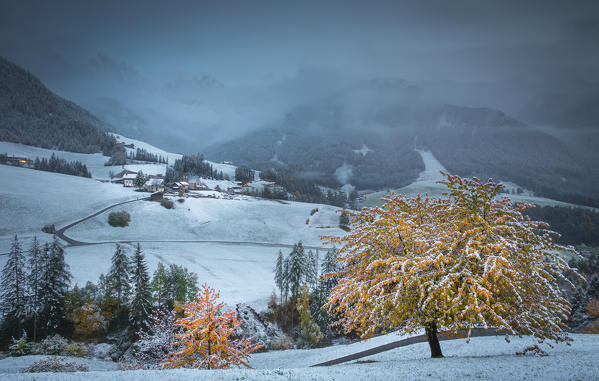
(286, 278)
(311, 272)
(140, 180)
(14, 284)
(160, 285)
(118, 277)
(56, 281)
(329, 266)
(279, 274)
(141, 305)
(182, 283)
(35, 281)
(297, 270)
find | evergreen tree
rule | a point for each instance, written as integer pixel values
(312, 270)
(160, 285)
(321, 294)
(140, 180)
(182, 284)
(101, 290)
(141, 304)
(297, 270)
(329, 266)
(56, 281)
(14, 284)
(117, 280)
(280, 274)
(35, 282)
(286, 278)
(344, 221)
(311, 333)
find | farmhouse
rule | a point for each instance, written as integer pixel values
(154, 184)
(20, 161)
(125, 177)
(195, 183)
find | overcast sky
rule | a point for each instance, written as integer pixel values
(520, 47)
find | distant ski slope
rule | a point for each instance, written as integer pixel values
(427, 184)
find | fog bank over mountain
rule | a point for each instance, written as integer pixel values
(191, 74)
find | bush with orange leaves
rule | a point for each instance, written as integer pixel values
(468, 260)
(206, 334)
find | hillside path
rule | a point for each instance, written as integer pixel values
(60, 233)
(476, 332)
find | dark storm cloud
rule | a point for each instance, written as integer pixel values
(474, 52)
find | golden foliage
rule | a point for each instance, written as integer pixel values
(467, 260)
(592, 308)
(205, 340)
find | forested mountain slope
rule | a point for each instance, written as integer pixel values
(33, 115)
(366, 136)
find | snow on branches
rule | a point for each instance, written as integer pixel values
(205, 339)
(464, 261)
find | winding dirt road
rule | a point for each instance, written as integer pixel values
(60, 233)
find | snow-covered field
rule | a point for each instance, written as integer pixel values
(485, 358)
(11, 365)
(226, 169)
(246, 219)
(94, 162)
(427, 183)
(242, 272)
(29, 199)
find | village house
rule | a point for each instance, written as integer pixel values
(154, 184)
(195, 182)
(235, 190)
(125, 177)
(20, 161)
(181, 185)
(275, 188)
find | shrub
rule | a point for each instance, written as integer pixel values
(313, 211)
(281, 343)
(121, 219)
(75, 350)
(54, 364)
(19, 347)
(167, 203)
(52, 345)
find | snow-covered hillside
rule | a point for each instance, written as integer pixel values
(227, 169)
(245, 219)
(427, 184)
(94, 162)
(484, 358)
(29, 199)
(240, 268)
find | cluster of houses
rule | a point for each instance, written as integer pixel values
(19, 161)
(155, 183)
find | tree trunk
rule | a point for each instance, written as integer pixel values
(433, 340)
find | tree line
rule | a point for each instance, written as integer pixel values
(143, 155)
(60, 165)
(56, 164)
(193, 165)
(37, 299)
(575, 225)
(304, 284)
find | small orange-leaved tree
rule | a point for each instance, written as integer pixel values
(467, 260)
(205, 340)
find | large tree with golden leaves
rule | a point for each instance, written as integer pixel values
(470, 259)
(206, 339)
